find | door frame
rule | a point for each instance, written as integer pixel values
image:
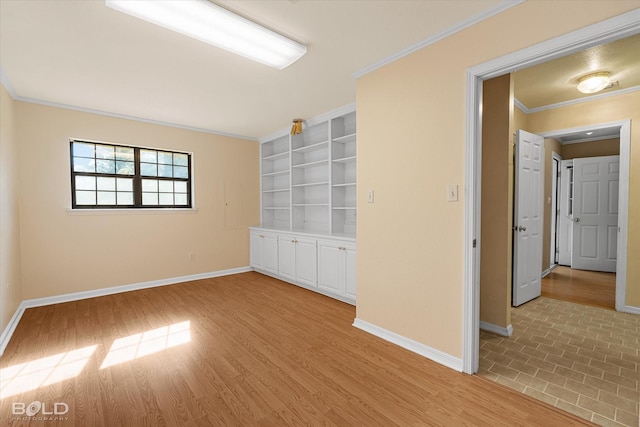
(556, 161)
(605, 31)
(623, 198)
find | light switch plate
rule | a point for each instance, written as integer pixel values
(452, 193)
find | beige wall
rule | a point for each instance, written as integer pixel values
(605, 147)
(66, 252)
(411, 145)
(605, 110)
(10, 278)
(497, 209)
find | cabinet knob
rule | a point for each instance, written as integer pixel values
(261, 236)
(294, 241)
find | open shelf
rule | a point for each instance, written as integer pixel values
(309, 179)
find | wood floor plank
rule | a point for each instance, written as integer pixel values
(581, 286)
(259, 352)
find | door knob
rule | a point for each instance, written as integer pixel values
(576, 219)
(521, 228)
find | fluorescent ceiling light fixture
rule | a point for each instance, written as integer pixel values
(593, 83)
(210, 23)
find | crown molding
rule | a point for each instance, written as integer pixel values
(526, 110)
(469, 22)
(7, 84)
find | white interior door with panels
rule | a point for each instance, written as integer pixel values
(528, 202)
(595, 213)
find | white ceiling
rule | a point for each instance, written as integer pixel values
(84, 55)
(81, 54)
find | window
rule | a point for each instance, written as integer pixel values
(108, 176)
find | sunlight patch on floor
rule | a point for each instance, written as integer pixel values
(42, 372)
(145, 343)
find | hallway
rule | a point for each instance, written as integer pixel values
(582, 287)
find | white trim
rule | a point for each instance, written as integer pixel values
(500, 330)
(583, 100)
(411, 345)
(631, 309)
(76, 296)
(11, 327)
(623, 215)
(590, 139)
(624, 127)
(350, 108)
(605, 31)
(7, 84)
(499, 8)
(519, 105)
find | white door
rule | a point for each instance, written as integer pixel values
(287, 257)
(595, 213)
(307, 262)
(527, 220)
(565, 227)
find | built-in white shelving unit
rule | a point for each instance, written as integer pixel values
(309, 179)
(308, 230)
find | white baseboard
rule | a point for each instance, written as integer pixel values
(631, 309)
(75, 296)
(411, 345)
(500, 330)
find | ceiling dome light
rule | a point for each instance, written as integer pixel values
(593, 83)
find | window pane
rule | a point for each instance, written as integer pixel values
(180, 186)
(166, 198)
(181, 199)
(106, 184)
(85, 183)
(125, 168)
(180, 172)
(125, 198)
(106, 166)
(124, 153)
(80, 164)
(165, 186)
(149, 198)
(83, 149)
(148, 156)
(148, 169)
(165, 171)
(105, 151)
(165, 158)
(85, 197)
(180, 159)
(106, 198)
(150, 185)
(124, 184)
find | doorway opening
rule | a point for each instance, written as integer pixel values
(605, 31)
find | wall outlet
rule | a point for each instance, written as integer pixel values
(191, 255)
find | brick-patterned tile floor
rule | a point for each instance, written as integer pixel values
(582, 359)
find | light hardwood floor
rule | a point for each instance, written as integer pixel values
(243, 350)
(582, 287)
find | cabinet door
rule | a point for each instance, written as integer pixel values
(329, 275)
(255, 242)
(287, 257)
(307, 262)
(270, 252)
(350, 271)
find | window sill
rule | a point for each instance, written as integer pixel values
(150, 211)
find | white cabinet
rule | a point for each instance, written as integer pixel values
(297, 259)
(264, 251)
(323, 264)
(337, 267)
